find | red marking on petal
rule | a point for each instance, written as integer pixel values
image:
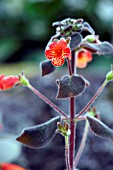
(8, 166)
(58, 61)
(49, 54)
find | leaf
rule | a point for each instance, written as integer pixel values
(88, 28)
(75, 40)
(103, 48)
(38, 136)
(69, 86)
(99, 128)
(47, 67)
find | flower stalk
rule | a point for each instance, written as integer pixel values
(79, 153)
(67, 152)
(92, 99)
(47, 101)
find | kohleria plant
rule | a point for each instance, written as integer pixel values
(70, 45)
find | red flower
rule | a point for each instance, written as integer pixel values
(83, 57)
(8, 82)
(57, 52)
(8, 166)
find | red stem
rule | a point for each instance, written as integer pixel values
(72, 116)
(47, 101)
(69, 66)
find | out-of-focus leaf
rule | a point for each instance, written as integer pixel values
(40, 135)
(47, 67)
(69, 86)
(88, 28)
(99, 128)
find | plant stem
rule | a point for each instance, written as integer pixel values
(67, 152)
(72, 136)
(72, 122)
(69, 66)
(93, 99)
(47, 100)
(79, 153)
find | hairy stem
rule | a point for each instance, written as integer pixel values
(72, 116)
(93, 99)
(82, 144)
(72, 136)
(47, 100)
(69, 66)
(67, 152)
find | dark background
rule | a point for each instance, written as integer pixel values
(25, 29)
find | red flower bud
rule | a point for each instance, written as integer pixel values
(57, 51)
(8, 82)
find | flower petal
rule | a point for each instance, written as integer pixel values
(88, 55)
(8, 166)
(49, 54)
(8, 82)
(83, 57)
(66, 52)
(52, 45)
(2, 76)
(58, 61)
(62, 43)
(81, 64)
(57, 51)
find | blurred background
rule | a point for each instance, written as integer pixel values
(25, 26)
(25, 29)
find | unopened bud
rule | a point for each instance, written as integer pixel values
(59, 125)
(23, 80)
(90, 38)
(66, 126)
(109, 76)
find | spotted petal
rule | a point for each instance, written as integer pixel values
(58, 61)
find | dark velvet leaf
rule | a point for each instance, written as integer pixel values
(75, 40)
(47, 67)
(69, 86)
(99, 128)
(88, 28)
(40, 135)
(103, 48)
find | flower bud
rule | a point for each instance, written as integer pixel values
(109, 76)
(63, 129)
(8, 82)
(90, 38)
